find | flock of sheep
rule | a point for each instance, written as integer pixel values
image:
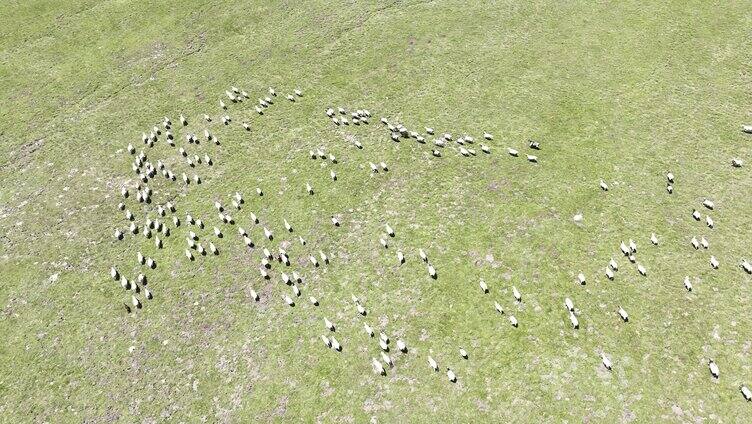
(161, 219)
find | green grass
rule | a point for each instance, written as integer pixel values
(623, 91)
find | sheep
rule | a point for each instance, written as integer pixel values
(581, 278)
(420, 139)
(641, 269)
(569, 304)
(714, 262)
(696, 214)
(736, 163)
(136, 303)
(328, 324)
(670, 189)
(298, 92)
(326, 341)
(268, 234)
(314, 261)
(309, 189)
(709, 221)
(575, 322)
(176, 221)
(125, 283)
(361, 309)
(267, 253)
(451, 376)
(368, 329)
(714, 370)
(606, 361)
(447, 136)
(695, 243)
(708, 204)
(422, 255)
(513, 321)
(384, 243)
(377, 367)
(313, 300)
(264, 274)
(485, 149)
(158, 242)
(432, 363)
(133, 228)
(532, 158)
(687, 284)
(384, 337)
(439, 142)
(746, 393)
(512, 152)
(374, 168)
(432, 271)
(534, 145)
(213, 249)
(498, 308)
(483, 286)
(288, 301)
(609, 273)
(383, 166)
(604, 186)
(463, 353)
(624, 249)
(333, 175)
(516, 294)
(291, 98)
(623, 314)
(464, 152)
(247, 241)
(288, 227)
(746, 266)
(384, 346)
(387, 359)
(118, 234)
(612, 263)
(302, 241)
(335, 344)
(401, 346)
(436, 153)
(704, 242)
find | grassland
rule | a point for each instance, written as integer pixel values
(621, 91)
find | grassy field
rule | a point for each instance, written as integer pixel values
(621, 91)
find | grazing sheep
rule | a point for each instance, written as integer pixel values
(708, 204)
(609, 273)
(483, 286)
(581, 278)
(433, 364)
(464, 151)
(604, 186)
(498, 308)
(623, 314)
(136, 303)
(569, 304)
(624, 249)
(292, 99)
(463, 353)
(384, 346)
(361, 309)
(612, 263)
(746, 393)
(737, 163)
(714, 370)
(432, 271)
(326, 341)
(377, 367)
(268, 234)
(309, 189)
(183, 120)
(532, 158)
(314, 261)
(125, 283)
(687, 284)
(401, 346)
(485, 148)
(696, 214)
(368, 329)
(575, 322)
(288, 301)
(328, 324)
(118, 234)
(641, 269)
(335, 344)
(516, 294)
(714, 262)
(704, 242)
(422, 255)
(288, 227)
(324, 258)
(383, 243)
(213, 249)
(606, 361)
(512, 152)
(313, 300)
(670, 189)
(513, 321)
(695, 243)
(387, 359)
(653, 239)
(451, 376)
(709, 221)
(189, 254)
(746, 266)
(632, 246)
(534, 145)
